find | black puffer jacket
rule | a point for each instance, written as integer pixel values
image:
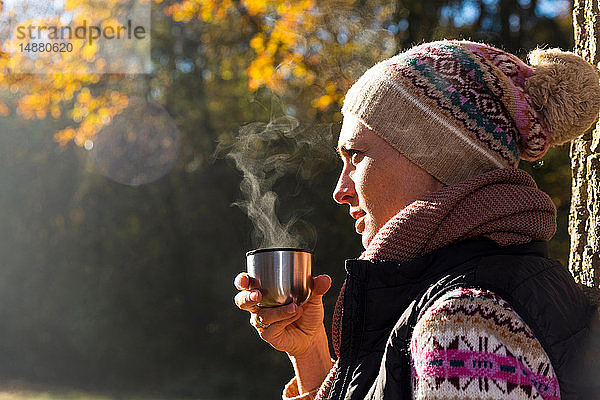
(383, 301)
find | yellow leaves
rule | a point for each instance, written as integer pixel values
(85, 6)
(56, 93)
(260, 72)
(4, 110)
(282, 43)
(48, 95)
(52, 94)
(92, 113)
(58, 79)
(105, 115)
(285, 32)
(186, 10)
(66, 135)
(330, 88)
(255, 6)
(300, 70)
(277, 59)
(225, 6)
(332, 96)
(275, 44)
(89, 52)
(84, 96)
(322, 102)
(55, 112)
(258, 43)
(205, 10)
(34, 105)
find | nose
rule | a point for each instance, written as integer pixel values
(344, 192)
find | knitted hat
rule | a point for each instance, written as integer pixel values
(458, 108)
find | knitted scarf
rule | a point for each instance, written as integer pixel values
(504, 205)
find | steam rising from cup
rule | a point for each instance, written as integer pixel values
(250, 151)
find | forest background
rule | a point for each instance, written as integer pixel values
(118, 280)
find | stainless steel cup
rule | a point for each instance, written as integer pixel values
(284, 275)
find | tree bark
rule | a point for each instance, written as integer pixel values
(584, 217)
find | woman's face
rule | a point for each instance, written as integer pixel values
(376, 180)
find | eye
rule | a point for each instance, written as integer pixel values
(355, 156)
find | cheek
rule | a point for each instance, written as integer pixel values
(362, 178)
(371, 186)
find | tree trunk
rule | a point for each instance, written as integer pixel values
(584, 218)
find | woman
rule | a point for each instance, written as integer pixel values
(454, 295)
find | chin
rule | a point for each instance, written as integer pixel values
(366, 239)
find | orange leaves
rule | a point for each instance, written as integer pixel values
(84, 96)
(281, 28)
(277, 55)
(205, 10)
(291, 45)
(260, 72)
(258, 43)
(34, 105)
(184, 11)
(255, 7)
(294, 42)
(56, 94)
(91, 100)
(92, 113)
(4, 110)
(329, 98)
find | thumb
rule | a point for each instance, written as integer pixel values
(321, 285)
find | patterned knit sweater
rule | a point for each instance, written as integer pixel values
(470, 344)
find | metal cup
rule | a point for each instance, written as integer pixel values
(284, 275)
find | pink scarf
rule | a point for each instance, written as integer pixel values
(504, 205)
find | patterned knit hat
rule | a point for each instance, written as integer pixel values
(458, 108)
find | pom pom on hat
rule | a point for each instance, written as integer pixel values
(565, 90)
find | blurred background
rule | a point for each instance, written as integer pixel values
(119, 237)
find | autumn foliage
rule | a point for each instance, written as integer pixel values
(293, 48)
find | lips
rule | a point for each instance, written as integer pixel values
(359, 225)
(359, 216)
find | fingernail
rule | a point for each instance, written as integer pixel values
(291, 308)
(254, 296)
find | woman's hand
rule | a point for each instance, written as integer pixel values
(288, 328)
